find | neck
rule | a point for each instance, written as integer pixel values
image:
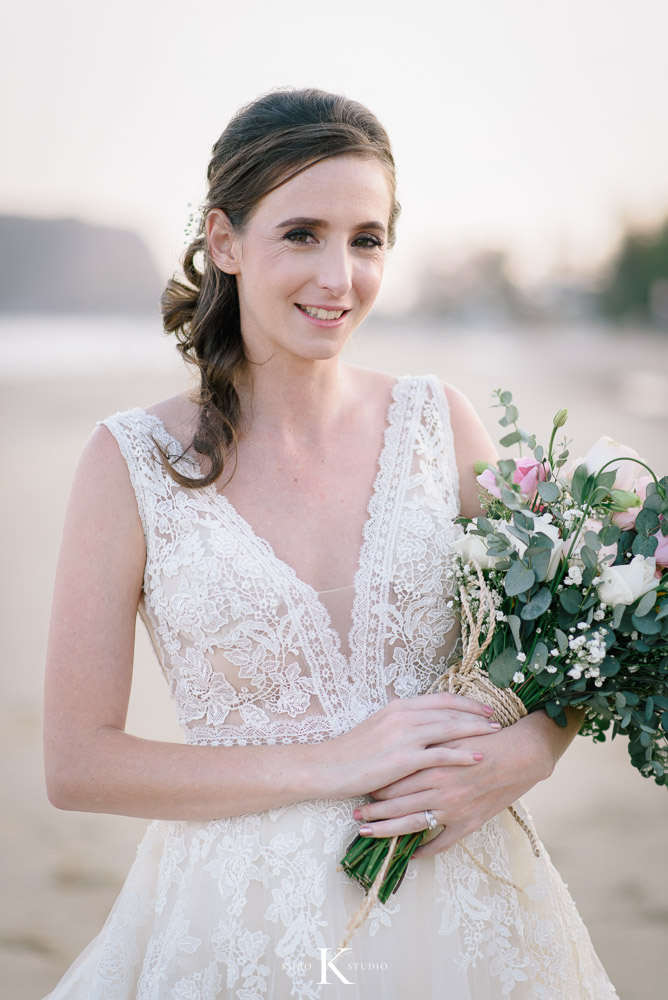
(295, 399)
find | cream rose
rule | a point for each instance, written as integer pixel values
(625, 584)
(546, 528)
(604, 451)
(471, 546)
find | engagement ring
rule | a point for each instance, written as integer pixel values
(430, 818)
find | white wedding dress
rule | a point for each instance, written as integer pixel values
(254, 907)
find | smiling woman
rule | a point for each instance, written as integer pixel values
(233, 520)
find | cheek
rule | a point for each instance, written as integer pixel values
(371, 275)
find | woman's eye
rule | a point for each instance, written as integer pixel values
(369, 241)
(298, 235)
(301, 236)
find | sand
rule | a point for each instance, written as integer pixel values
(604, 825)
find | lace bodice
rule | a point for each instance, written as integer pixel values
(252, 653)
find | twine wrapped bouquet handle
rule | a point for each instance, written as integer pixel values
(468, 679)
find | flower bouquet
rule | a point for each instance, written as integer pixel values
(563, 602)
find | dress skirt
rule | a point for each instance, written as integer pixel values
(255, 907)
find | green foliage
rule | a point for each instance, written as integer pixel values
(641, 261)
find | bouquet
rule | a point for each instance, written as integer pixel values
(563, 602)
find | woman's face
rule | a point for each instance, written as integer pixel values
(318, 242)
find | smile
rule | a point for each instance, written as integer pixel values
(318, 313)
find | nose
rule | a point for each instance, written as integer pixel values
(336, 270)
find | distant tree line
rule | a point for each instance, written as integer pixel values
(631, 287)
(635, 284)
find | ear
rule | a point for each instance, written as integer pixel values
(223, 241)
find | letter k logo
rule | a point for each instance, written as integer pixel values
(324, 963)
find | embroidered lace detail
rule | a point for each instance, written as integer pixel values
(242, 907)
(247, 647)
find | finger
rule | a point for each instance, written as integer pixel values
(457, 726)
(413, 823)
(443, 841)
(403, 805)
(421, 778)
(443, 699)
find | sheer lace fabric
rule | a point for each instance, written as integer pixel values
(251, 907)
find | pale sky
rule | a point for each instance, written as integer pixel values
(520, 123)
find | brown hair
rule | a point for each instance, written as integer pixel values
(267, 142)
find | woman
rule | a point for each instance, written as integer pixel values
(285, 535)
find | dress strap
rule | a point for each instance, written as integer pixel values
(445, 442)
(136, 435)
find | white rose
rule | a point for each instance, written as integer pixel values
(471, 546)
(625, 584)
(606, 449)
(543, 524)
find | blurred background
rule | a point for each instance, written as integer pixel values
(531, 143)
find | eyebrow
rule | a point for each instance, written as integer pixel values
(323, 224)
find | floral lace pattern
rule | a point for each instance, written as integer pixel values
(244, 907)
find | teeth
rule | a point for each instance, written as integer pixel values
(322, 313)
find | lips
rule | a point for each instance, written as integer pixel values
(322, 312)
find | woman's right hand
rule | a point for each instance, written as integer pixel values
(399, 739)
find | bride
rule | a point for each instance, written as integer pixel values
(284, 533)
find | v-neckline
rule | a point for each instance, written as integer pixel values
(215, 495)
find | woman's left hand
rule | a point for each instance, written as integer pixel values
(463, 798)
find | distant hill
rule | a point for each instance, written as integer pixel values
(68, 266)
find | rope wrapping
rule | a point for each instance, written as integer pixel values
(468, 679)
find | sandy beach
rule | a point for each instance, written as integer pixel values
(604, 826)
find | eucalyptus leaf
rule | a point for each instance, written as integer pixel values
(643, 546)
(549, 492)
(618, 614)
(507, 466)
(538, 605)
(518, 579)
(505, 398)
(648, 625)
(647, 521)
(514, 626)
(538, 453)
(588, 557)
(653, 501)
(562, 640)
(610, 534)
(646, 603)
(592, 540)
(502, 668)
(570, 600)
(540, 656)
(510, 439)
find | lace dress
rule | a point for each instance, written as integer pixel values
(254, 907)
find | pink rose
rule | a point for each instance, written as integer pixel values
(625, 519)
(487, 479)
(528, 473)
(661, 554)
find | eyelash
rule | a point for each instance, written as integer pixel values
(375, 242)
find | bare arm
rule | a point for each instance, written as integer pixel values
(93, 765)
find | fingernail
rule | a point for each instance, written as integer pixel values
(364, 830)
(495, 725)
(488, 709)
(477, 756)
(357, 813)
